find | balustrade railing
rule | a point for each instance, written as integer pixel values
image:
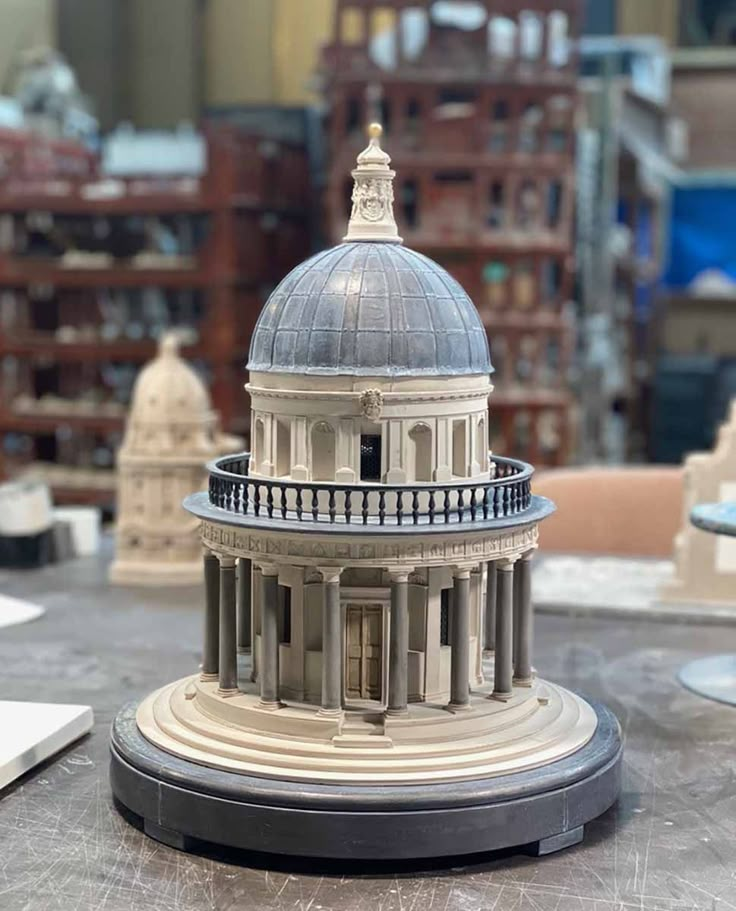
(507, 493)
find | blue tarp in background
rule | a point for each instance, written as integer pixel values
(702, 233)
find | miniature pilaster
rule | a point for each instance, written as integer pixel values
(244, 605)
(489, 619)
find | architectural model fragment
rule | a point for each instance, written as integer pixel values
(171, 433)
(705, 564)
(367, 687)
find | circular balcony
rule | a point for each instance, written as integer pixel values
(238, 498)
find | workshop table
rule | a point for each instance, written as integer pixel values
(666, 846)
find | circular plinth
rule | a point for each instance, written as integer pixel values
(183, 803)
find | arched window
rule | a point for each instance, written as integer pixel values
(283, 447)
(323, 452)
(420, 438)
(459, 448)
(258, 444)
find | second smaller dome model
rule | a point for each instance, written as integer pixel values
(170, 435)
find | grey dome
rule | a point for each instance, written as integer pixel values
(369, 309)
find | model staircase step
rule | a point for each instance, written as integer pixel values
(366, 741)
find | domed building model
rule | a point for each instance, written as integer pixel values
(388, 706)
(171, 433)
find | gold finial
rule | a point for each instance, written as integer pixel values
(375, 130)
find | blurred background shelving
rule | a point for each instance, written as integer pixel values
(94, 267)
(569, 162)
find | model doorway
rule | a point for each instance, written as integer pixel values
(364, 652)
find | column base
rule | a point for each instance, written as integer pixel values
(394, 712)
(226, 693)
(209, 678)
(329, 713)
(523, 681)
(457, 707)
(270, 706)
(501, 697)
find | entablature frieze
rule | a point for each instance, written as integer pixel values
(374, 550)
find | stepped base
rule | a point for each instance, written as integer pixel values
(185, 804)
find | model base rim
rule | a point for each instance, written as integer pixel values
(189, 806)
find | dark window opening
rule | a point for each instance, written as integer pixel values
(500, 109)
(413, 111)
(370, 457)
(285, 614)
(445, 599)
(352, 116)
(457, 96)
(495, 205)
(499, 125)
(410, 203)
(453, 177)
(554, 203)
(384, 111)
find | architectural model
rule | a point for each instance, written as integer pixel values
(705, 564)
(383, 702)
(171, 433)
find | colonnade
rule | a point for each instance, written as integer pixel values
(507, 631)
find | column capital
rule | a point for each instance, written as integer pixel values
(528, 555)
(506, 564)
(330, 573)
(462, 570)
(400, 575)
(269, 569)
(226, 561)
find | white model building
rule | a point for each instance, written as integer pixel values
(388, 553)
(170, 435)
(705, 564)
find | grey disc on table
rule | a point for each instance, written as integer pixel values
(713, 677)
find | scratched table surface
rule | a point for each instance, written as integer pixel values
(669, 844)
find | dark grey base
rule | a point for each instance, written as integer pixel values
(184, 804)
